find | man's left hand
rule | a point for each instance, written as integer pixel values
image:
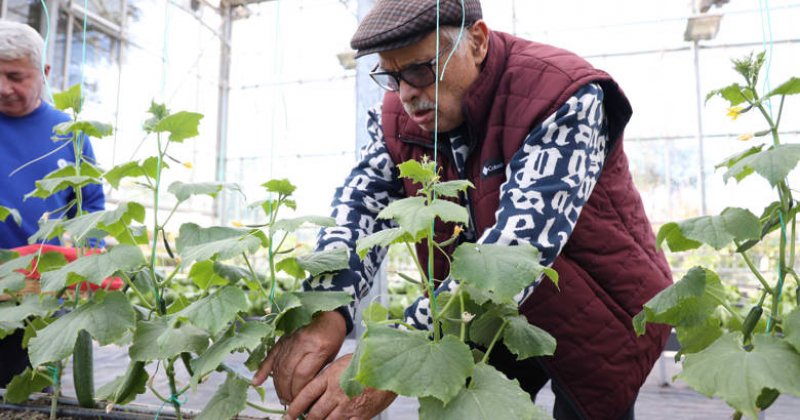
(323, 398)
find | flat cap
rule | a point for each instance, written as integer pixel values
(393, 24)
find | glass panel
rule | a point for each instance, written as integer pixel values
(24, 11)
(110, 10)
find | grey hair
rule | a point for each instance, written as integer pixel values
(449, 34)
(18, 41)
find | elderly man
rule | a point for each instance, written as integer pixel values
(538, 131)
(28, 153)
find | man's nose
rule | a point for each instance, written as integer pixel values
(5, 86)
(407, 92)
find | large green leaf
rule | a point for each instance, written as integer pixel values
(790, 87)
(12, 316)
(229, 400)
(180, 125)
(716, 231)
(297, 309)
(247, 337)
(687, 303)
(452, 188)
(734, 94)
(697, 337)
(774, 164)
(183, 191)
(69, 99)
(107, 319)
(347, 381)
(738, 376)
(214, 312)
(147, 168)
(63, 178)
(676, 241)
(134, 379)
(483, 328)
(526, 340)
(489, 395)
(791, 328)
(5, 212)
(196, 244)
(161, 339)
(411, 364)
(10, 279)
(23, 385)
(94, 129)
(206, 274)
(112, 221)
(502, 271)
(416, 218)
(290, 225)
(94, 268)
(382, 238)
(324, 261)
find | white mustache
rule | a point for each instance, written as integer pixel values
(418, 105)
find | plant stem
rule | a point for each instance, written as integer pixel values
(755, 271)
(463, 324)
(264, 409)
(398, 322)
(254, 275)
(494, 341)
(173, 389)
(136, 291)
(417, 263)
(156, 190)
(56, 390)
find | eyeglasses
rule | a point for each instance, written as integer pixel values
(419, 75)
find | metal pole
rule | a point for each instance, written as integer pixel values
(222, 107)
(700, 155)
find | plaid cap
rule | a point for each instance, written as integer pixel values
(393, 24)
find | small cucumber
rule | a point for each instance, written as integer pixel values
(751, 321)
(83, 370)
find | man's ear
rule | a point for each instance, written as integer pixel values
(46, 70)
(480, 40)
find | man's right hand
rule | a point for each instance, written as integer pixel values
(297, 358)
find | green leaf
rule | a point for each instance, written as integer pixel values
(10, 279)
(183, 191)
(452, 188)
(23, 385)
(483, 328)
(790, 87)
(69, 99)
(347, 381)
(247, 337)
(526, 340)
(676, 241)
(416, 218)
(290, 266)
(716, 231)
(502, 271)
(229, 400)
(375, 312)
(113, 391)
(736, 157)
(297, 309)
(63, 178)
(214, 312)
(697, 337)
(107, 319)
(734, 94)
(291, 225)
(5, 212)
(94, 129)
(147, 168)
(410, 364)
(204, 276)
(111, 221)
(324, 261)
(160, 339)
(489, 394)
(196, 244)
(12, 316)
(791, 328)
(280, 186)
(382, 238)
(94, 268)
(419, 172)
(180, 125)
(688, 302)
(728, 371)
(774, 164)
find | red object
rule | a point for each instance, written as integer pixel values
(71, 254)
(610, 265)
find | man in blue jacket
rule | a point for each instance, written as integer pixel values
(28, 153)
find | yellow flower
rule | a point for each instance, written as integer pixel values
(188, 165)
(746, 136)
(237, 223)
(734, 111)
(457, 230)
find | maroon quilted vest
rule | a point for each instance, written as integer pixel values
(609, 267)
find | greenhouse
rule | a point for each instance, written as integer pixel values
(399, 209)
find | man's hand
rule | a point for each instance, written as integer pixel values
(323, 398)
(298, 357)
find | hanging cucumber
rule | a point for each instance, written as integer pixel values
(83, 370)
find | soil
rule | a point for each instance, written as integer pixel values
(27, 415)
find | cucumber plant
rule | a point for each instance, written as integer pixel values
(451, 375)
(160, 328)
(747, 360)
